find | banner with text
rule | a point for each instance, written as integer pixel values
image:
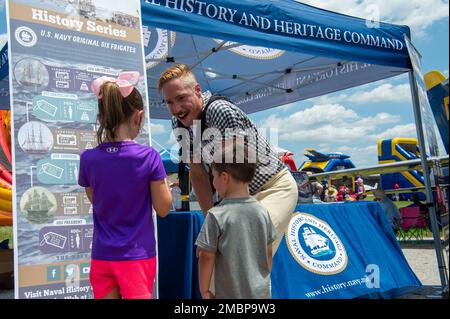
(57, 48)
(286, 25)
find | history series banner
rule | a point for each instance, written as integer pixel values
(57, 48)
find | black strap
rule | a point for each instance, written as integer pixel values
(212, 99)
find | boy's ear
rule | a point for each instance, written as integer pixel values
(226, 177)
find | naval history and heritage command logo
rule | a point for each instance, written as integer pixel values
(315, 246)
(156, 45)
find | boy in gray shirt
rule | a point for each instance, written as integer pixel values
(236, 237)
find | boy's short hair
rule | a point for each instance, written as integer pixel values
(178, 71)
(235, 161)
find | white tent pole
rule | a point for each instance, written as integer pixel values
(427, 181)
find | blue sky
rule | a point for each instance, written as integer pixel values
(353, 120)
(2, 17)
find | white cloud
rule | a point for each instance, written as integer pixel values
(383, 92)
(311, 116)
(328, 123)
(379, 119)
(405, 130)
(417, 14)
(362, 156)
(326, 133)
(377, 92)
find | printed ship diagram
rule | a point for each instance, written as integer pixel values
(317, 243)
(37, 207)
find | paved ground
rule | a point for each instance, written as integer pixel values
(421, 258)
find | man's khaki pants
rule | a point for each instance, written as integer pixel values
(279, 196)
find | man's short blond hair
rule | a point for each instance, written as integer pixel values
(178, 71)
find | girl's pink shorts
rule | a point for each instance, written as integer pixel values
(134, 278)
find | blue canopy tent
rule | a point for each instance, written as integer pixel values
(263, 54)
(312, 52)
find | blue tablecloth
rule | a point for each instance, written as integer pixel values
(361, 227)
(340, 250)
(178, 271)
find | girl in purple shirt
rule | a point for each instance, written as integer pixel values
(123, 180)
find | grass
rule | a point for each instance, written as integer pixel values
(6, 232)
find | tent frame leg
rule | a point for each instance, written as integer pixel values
(429, 194)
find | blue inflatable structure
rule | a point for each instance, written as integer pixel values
(395, 150)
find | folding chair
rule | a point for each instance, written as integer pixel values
(413, 225)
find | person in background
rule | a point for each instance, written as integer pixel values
(343, 193)
(236, 237)
(331, 194)
(324, 194)
(123, 180)
(389, 208)
(317, 191)
(360, 190)
(396, 196)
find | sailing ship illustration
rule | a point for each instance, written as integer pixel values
(317, 243)
(34, 142)
(37, 207)
(30, 76)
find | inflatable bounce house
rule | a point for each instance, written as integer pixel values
(5, 170)
(319, 162)
(395, 150)
(437, 92)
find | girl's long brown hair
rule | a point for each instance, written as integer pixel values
(113, 110)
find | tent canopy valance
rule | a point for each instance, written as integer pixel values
(292, 51)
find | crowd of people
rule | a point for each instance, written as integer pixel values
(322, 192)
